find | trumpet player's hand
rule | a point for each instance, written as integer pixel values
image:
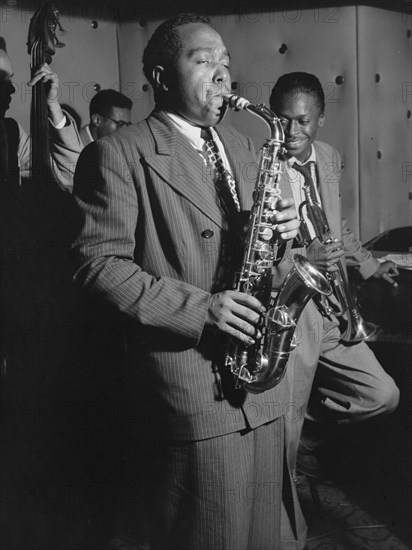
(386, 271)
(325, 256)
(285, 219)
(237, 314)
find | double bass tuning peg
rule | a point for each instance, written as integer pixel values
(63, 31)
(57, 43)
(56, 23)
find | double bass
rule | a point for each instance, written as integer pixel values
(42, 43)
(45, 203)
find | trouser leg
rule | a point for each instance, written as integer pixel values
(301, 371)
(350, 386)
(220, 493)
(332, 383)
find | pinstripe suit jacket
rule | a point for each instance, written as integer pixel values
(151, 239)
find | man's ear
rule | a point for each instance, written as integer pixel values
(159, 78)
(95, 120)
(321, 120)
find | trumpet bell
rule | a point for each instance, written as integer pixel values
(358, 329)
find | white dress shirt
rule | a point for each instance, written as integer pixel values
(192, 133)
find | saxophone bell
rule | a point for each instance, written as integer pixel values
(262, 366)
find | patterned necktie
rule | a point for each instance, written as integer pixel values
(307, 214)
(223, 179)
(305, 170)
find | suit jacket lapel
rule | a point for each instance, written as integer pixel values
(181, 167)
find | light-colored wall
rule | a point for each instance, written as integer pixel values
(363, 117)
(385, 123)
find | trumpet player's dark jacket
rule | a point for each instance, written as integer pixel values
(328, 165)
(151, 242)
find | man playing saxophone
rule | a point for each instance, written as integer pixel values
(350, 384)
(155, 243)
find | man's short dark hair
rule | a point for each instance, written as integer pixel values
(293, 85)
(165, 43)
(3, 44)
(104, 100)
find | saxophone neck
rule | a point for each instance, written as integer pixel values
(237, 103)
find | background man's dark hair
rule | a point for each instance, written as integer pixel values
(3, 44)
(165, 44)
(104, 100)
(293, 85)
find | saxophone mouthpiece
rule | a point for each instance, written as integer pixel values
(234, 101)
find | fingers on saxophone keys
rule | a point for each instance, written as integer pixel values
(288, 230)
(287, 235)
(246, 317)
(245, 332)
(251, 328)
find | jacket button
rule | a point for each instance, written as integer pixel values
(207, 233)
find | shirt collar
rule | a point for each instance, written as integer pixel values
(191, 132)
(88, 132)
(312, 158)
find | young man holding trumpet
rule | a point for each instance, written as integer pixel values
(335, 377)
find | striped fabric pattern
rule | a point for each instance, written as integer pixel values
(234, 492)
(150, 240)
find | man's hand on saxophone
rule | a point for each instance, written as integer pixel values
(285, 220)
(240, 314)
(236, 313)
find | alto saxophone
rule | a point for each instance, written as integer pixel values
(261, 366)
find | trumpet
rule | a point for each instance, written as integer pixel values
(356, 329)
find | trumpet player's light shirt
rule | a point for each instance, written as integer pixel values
(192, 133)
(297, 182)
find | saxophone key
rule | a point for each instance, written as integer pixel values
(266, 233)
